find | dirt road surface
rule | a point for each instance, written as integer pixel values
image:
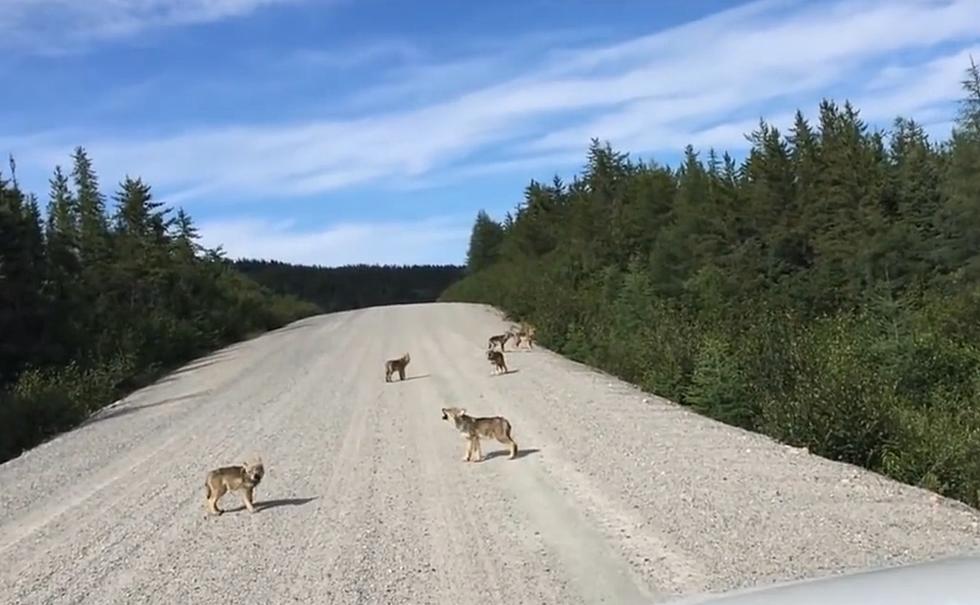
(617, 496)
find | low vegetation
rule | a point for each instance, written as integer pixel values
(823, 291)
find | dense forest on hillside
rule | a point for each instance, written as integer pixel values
(353, 286)
(823, 291)
(95, 301)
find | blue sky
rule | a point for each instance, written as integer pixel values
(338, 131)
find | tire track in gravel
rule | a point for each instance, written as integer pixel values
(339, 472)
(289, 419)
(98, 545)
(555, 498)
(489, 548)
(388, 556)
(27, 513)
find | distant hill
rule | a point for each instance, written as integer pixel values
(353, 286)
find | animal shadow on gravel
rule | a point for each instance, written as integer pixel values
(416, 377)
(520, 453)
(108, 413)
(509, 371)
(260, 506)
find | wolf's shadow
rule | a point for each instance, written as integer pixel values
(260, 506)
(520, 453)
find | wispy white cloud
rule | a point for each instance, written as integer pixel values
(52, 26)
(542, 165)
(399, 51)
(704, 83)
(430, 241)
(752, 59)
(915, 90)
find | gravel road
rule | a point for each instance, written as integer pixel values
(617, 496)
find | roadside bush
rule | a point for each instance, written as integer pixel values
(719, 387)
(938, 449)
(670, 352)
(42, 403)
(840, 406)
(26, 421)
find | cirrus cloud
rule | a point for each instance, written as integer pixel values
(699, 82)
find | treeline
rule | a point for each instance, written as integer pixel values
(95, 301)
(353, 286)
(823, 291)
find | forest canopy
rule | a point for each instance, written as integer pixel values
(353, 286)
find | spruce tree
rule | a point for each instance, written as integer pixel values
(22, 306)
(959, 218)
(185, 234)
(137, 213)
(93, 231)
(485, 242)
(62, 221)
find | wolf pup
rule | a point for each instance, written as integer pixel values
(524, 332)
(245, 477)
(397, 365)
(496, 427)
(496, 359)
(498, 339)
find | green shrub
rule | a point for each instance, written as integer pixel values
(26, 421)
(840, 406)
(718, 386)
(938, 449)
(43, 403)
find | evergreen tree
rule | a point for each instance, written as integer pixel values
(674, 252)
(35, 238)
(141, 244)
(185, 234)
(22, 309)
(137, 215)
(64, 287)
(485, 241)
(911, 203)
(959, 219)
(93, 231)
(62, 223)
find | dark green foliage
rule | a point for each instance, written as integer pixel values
(353, 286)
(840, 405)
(718, 385)
(485, 242)
(960, 216)
(824, 291)
(93, 230)
(90, 308)
(22, 270)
